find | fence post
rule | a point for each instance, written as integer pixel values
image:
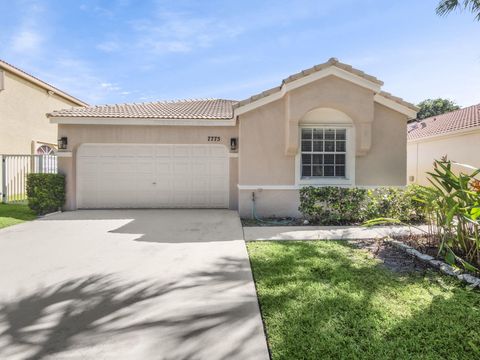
(4, 179)
(41, 165)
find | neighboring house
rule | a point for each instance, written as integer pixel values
(328, 125)
(24, 101)
(455, 134)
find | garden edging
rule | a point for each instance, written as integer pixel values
(438, 264)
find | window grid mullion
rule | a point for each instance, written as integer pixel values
(311, 139)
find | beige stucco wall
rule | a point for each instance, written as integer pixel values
(267, 135)
(385, 164)
(23, 109)
(131, 134)
(263, 133)
(269, 203)
(463, 148)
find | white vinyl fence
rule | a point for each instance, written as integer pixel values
(14, 170)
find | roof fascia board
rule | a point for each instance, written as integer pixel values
(335, 71)
(332, 70)
(77, 120)
(395, 106)
(41, 84)
(467, 131)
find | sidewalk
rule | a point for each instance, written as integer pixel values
(325, 232)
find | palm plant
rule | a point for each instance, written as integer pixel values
(447, 6)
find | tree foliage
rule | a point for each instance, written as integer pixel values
(433, 107)
(447, 6)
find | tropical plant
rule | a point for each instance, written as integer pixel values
(447, 6)
(453, 208)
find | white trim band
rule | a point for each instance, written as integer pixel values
(298, 187)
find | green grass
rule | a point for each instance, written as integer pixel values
(327, 300)
(11, 214)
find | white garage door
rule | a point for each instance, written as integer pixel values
(152, 176)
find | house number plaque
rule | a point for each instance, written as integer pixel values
(213, 138)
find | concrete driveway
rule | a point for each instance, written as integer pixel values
(128, 284)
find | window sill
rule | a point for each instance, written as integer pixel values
(325, 181)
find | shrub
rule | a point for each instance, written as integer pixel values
(348, 206)
(333, 205)
(401, 204)
(45, 192)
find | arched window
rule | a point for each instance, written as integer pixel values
(45, 150)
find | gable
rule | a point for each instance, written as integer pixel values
(332, 68)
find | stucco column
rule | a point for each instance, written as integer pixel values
(363, 138)
(66, 167)
(291, 130)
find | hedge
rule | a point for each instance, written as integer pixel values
(45, 192)
(350, 206)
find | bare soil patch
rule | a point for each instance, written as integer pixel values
(392, 258)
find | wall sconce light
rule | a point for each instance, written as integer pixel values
(233, 144)
(62, 143)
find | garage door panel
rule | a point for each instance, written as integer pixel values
(180, 183)
(181, 199)
(146, 167)
(163, 151)
(163, 197)
(200, 199)
(217, 151)
(160, 175)
(164, 167)
(218, 170)
(218, 185)
(201, 183)
(201, 167)
(181, 167)
(200, 151)
(182, 150)
(145, 151)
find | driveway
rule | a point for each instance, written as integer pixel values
(128, 284)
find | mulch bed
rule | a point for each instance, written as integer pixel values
(246, 222)
(392, 258)
(421, 243)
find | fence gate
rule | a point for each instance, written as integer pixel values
(14, 170)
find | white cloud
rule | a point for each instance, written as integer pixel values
(170, 32)
(108, 46)
(28, 36)
(109, 86)
(79, 78)
(26, 41)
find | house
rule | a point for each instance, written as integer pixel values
(24, 101)
(455, 134)
(327, 125)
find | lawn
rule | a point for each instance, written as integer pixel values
(328, 300)
(11, 214)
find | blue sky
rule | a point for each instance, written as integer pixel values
(136, 51)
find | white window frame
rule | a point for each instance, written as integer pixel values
(349, 179)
